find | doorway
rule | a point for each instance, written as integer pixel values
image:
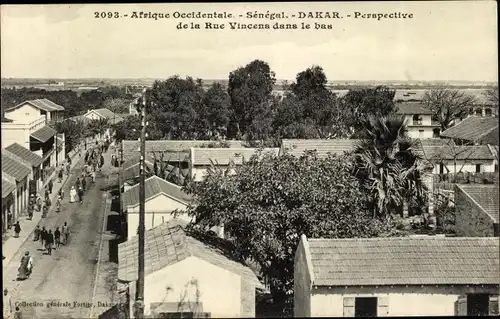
(365, 307)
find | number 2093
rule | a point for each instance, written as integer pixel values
(106, 15)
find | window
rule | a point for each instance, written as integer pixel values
(479, 111)
(420, 133)
(488, 112)
(417, 119)
(478, 304)
(366, 306)
(478, 168)
(441, 168)
(435, 132)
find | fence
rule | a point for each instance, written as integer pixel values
(466, 178)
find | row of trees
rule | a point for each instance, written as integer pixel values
(113, 98)
(249, 109)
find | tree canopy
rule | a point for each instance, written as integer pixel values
(270, 201)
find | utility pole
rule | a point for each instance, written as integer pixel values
(139, 302)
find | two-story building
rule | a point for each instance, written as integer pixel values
(396, 276)
(32, 110)
(36, 182)
(418, 120)
(15, 170)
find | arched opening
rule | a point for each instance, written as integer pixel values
(479, 111)
(488, 112)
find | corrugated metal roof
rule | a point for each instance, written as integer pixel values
(171, 145)
(297, 147)
(168, 244)
(26, 154)
(472, 128)
(44, 134)
(485, 196)
(154, 186)
(14, 168)
(222, 156)
(426, 260)
(134, 171)
(452, 151)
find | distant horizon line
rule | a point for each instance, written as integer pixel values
(208, 79)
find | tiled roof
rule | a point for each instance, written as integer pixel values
(297, 147)
(168, 244)
(43, 104)
(44, 134)
(174, 151)
(449, 150)
(412, 108)
(154, 186)
(486, 196)
(428, 260)
(26, 154)
(14, 168)
(134, 171)
(134, 161)
(108, 114)
(7, 187)
(222, 156)
(472, 128)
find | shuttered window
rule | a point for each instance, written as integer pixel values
(349, 306)
(461, 306)
(383, 306)
(493, 306)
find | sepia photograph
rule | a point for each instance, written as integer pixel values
(250, 160)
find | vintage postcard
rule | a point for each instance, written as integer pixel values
(242, 160)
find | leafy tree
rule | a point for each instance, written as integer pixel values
(270, 201)
(448, 104)
(97, 126)
(389, 168)
(250, 90)
(491, 95)
(176, 104)
(73, 132)
(130, 129)
(359, 104)
(217, 105)
(116, 105)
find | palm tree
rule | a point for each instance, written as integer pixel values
(97, 126)
(167, 170)
(388, 166)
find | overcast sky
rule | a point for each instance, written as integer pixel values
(444, 41)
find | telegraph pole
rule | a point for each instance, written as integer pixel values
(139, 302)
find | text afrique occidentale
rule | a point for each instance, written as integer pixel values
(260, 15)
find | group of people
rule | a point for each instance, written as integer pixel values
(51, 240)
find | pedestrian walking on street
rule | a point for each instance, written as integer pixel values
(45, 211)
(18, 314)
(61, 193)
(47, 193)
(38, 203)
(80, 194)
(50, 185)
(43, 236)
(72, 194)
(9, 219)
(65, 231)
(84, 183)
(77, 182)
(30, 212)
(7, 304)
(17, 229)
(49, 242)
(58, 204)
(93, 176)
(68, 167)
(57, 237)
(60, 175)
(36, 233)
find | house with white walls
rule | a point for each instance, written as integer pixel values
(187, 276)
(418, 119)
(34, 160)
(162, 199)
(448, 157)
(32, 110)
(16, 171)
(201, 159)
(396, 276)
